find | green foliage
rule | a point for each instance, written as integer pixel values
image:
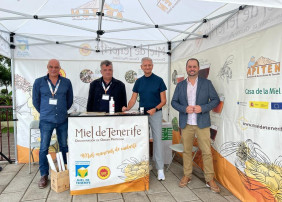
(5, 130)
(6, 99)
(4, 91)
(6, 114)
(5, 60)
(174, 122)
(5, 72)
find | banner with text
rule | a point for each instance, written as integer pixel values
(246, 126)
(108, 154)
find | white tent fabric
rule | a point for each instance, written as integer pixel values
(121, 20)
(264, 3)
(169, 31)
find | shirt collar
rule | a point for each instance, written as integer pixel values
(196, 81)
(106, 85)
(47, 77)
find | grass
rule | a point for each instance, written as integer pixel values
(5, 130)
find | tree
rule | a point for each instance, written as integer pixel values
(5, 72)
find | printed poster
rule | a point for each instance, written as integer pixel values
(108, 154)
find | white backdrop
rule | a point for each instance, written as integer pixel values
(247, 76)
(28, 70)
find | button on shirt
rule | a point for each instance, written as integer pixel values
(41, 95)
(191, 97)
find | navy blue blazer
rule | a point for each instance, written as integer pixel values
(206, 97)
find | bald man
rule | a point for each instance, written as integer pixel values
(52, 97)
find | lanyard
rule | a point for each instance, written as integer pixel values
(106, 89)
(56, 88)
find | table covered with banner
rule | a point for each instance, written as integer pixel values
(108, 153)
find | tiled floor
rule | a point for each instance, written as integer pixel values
(17, 185)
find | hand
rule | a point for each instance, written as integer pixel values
(190, 109)
(197, 109)
(152, 111)
(124, 109)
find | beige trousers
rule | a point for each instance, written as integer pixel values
(203, 138)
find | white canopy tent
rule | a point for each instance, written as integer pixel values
(82, 33)
(48, 29)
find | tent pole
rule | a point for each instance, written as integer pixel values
(150, 27)
(127, 20)
(223, 14)
(186, 39)
(130, 29)
(101, 8)
(180, 23)
(12, 48)
(230, 16)
(184, 32)
(169, 79)
(189, 35)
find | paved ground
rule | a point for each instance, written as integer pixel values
(17, 185)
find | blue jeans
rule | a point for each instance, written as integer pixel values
(46, 130)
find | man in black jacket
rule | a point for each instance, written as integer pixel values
(102, 89)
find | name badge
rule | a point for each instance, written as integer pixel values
(105, 97)
(52, 101)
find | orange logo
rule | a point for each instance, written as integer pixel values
(104, 172)
(262, 67)
(62, 73)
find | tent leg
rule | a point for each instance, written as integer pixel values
(169, 83)
(12, 47)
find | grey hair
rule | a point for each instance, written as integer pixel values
(54, 60)
(106, 62)
(146, 58)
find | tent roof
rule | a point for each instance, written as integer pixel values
(131, 19)
(152, 21)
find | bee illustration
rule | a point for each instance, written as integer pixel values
(257, 172)
(225, 71)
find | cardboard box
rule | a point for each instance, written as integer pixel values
(60, 181)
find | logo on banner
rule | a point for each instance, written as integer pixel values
(167, 5)
(241, 122)
(81, 172)
(85, 49)
(113, 8)
(81, 168)
(258, 104)
(276, 105)
(62, 73)
(103, 172)
(242, 103)
(23, 47)
(262, 67)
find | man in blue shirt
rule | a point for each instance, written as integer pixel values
(151, 90)
(52, 96)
